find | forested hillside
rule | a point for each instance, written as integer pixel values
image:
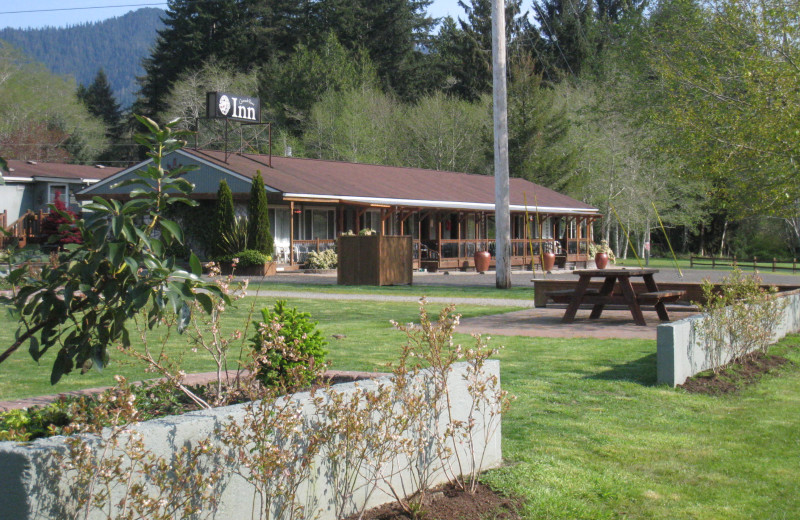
(117, 45)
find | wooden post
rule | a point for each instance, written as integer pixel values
(501, 183)
(291, 233)
(773, 264)
(439, 236)
(755, 259)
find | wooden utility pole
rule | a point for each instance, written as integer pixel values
(501, 198)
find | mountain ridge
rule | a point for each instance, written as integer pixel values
(117, 45)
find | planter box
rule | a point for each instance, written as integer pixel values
(268, 269)
(29, 489)
(375, 260)
(680, 353)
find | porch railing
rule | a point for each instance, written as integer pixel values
(25, 229)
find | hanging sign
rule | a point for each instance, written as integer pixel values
(233, 106)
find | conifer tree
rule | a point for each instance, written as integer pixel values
(223, 216)
(258, 235)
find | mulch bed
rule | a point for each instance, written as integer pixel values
(449, 503)
(734, 376)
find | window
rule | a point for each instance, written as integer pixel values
(319, 223)
(62, 191)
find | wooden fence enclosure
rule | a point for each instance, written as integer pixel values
(375, 260)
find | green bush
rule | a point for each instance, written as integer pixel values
(247, 258)
(327, 259)
(33, 423)
(288, 347)
(234, 240)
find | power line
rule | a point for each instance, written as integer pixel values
(82, 8)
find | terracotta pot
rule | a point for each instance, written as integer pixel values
(548, 261)
(601, 260)
(482, 261)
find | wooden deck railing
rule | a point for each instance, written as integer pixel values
(25, 229)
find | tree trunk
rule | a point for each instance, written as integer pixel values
(722, 240)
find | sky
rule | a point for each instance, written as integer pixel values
(61, 13)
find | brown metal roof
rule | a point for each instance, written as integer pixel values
(57, 170)
(292, 175)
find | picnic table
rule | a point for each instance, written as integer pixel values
(605, 295)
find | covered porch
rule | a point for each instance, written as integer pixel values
(444, 238)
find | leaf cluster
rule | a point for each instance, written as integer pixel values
(81, 305)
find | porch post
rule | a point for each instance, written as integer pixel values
(291, 233)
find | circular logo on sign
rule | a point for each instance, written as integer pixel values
(224, 105)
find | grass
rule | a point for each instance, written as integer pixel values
(369, 340)
(590, 435)
(444, 291)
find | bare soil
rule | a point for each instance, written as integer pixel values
(734, 376)
(449, 503)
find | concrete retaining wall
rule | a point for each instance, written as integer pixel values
(28, 491)
(680, 353)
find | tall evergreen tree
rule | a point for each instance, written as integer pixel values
(466, 47)
(100, 102)
(224, 216)
(569, 30)
(99, 99)
(241, 34)
(258, 235)
(393, 32)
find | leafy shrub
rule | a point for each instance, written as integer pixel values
(287, 345)
(247, 257)
(740, 318)
(327, 259)
(232, 240)
(33, 423)
(367, 232)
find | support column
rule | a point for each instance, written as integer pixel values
(291, 233)
(501, 183)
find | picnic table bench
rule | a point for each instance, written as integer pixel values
(582, 294)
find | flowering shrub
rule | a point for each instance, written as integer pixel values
(740, 318)
(59, 225)
(287, 342)
(327, 259)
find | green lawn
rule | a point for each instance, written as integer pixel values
(370, 339)
(590, 436)
(444, 291)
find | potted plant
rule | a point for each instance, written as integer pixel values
(248, 263)
(602, 254)
(482, 261)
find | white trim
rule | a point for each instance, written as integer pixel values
(62, 180)
(114, 177)
(17, 179)
(442, 204)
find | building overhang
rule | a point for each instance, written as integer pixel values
(440, 204)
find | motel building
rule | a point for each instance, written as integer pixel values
(450, 215)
